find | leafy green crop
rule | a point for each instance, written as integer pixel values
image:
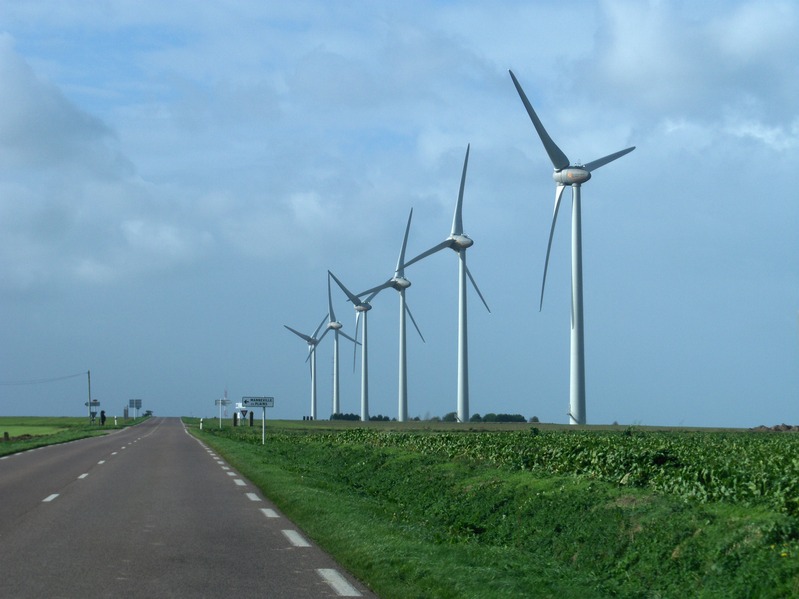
(751, 468)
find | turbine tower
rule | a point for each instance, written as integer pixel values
(335, 326)
(459, 242)
(312, 342)
(400, 283)
(574, 175)
(361, 307)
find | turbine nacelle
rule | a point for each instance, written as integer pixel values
(363, 307)
(460, 242)
(335, 325)
(571, 176)
(400, 283)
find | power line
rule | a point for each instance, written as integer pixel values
(41, 381)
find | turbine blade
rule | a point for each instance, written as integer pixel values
(444, 244)
(355, 347)
(343, 334)
(374, 291)
(595, 164)
(322, 336)
(413, 320)
(311, 350)
(401, 260)
(556, 155)
(330, 312)
(457, 220)
(558, 195)
(301, 335)
(324, 319)
(476, 288)
(353, 298)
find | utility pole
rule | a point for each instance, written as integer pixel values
(89, 403)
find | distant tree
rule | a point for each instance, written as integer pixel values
(490, 417)
(345, 417)
(510, 418)
(476, 418)
(450, 417)
(435, 419)
(534, 419)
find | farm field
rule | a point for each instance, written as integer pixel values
(29, 432)
(523, 510)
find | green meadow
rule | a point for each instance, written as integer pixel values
(29, 432)
(420, 510)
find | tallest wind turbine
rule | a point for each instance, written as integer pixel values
(574, 175)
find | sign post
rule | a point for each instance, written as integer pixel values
(220, 403)
(135, 404)
(259, 402)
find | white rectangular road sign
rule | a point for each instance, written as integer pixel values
(258, 402)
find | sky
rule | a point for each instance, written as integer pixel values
(176, 179)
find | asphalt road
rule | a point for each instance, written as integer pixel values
(149, 511)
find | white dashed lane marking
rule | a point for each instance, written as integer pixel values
(84, 475)
(269, 513)
(295, 538)
(253, 497)
(338, 583)
(49, 498)
(240, 482)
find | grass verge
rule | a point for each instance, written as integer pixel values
(31, 432)
(419, 525)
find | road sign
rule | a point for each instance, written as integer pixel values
(258, 402)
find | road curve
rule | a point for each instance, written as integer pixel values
(150, 511)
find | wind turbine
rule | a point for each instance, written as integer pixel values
(361, 307)
(312, 342)
(400, 283)
(335, 326)
(574, 175)
(459, 243)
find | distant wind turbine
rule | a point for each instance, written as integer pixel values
(361, 307)
(459, 242)
(335, 326)
(574, 175)
(400, 283)
(312, 342)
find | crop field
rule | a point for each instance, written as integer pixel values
(29, 432)
(532, 511)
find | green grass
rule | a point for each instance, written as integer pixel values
(30, 432)
(419, 523)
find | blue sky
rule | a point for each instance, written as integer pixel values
(176, 179)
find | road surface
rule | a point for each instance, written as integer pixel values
(150, 511)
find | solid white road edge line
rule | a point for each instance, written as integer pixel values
(338, 582)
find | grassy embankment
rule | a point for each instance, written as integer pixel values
(30, 432)
(518, 514)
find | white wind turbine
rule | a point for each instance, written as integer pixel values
(459, 242)
(335, 326)
(400, 283)
(312, 342)
(574, 175)
(361, 307)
